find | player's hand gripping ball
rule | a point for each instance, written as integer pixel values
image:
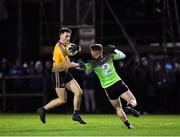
(72, 49)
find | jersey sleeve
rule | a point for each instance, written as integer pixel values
(116, 57)
(88, 66)
(58, 56)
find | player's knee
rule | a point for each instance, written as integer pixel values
(62, 101)
(134, 102)
(79, 93)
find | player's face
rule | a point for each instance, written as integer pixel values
(96, 54)
(65, 38)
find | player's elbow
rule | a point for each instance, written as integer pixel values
(123, 56)
(120, 53)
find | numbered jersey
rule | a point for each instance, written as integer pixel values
(105, 70)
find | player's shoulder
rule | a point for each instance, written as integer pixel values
(56, 45)
(92, 62)
(108, 56)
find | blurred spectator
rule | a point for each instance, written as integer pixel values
(18, 70)
(38, 68)
(31, 68)
(157, 81)
(121, 70)
(25, 66)
(37, 83)
(168, 88)
(177, 86)
(4, 68)
(89, 92)
(141, 78)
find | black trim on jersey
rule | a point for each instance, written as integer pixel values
(100, 61)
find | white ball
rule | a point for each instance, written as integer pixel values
(70, 53)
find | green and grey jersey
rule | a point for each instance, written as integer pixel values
(105, 70)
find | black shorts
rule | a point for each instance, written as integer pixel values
(60, 79)
(114, 91)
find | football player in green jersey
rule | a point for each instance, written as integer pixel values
(113, 85)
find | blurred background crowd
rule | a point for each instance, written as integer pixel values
(153, 81)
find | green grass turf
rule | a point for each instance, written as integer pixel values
(99, 125)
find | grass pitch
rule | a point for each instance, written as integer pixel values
(98, 125)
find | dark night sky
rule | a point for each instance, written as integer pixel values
(30, 31)
(126, 11)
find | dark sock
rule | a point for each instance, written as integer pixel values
(76, 112)
(127, 123)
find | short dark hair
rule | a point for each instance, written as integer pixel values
(98, 47)
(62, 30)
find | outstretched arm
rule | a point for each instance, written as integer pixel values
(85, 66)
(120, 53)
(64, 66)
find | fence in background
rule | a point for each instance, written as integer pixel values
(26, 91)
